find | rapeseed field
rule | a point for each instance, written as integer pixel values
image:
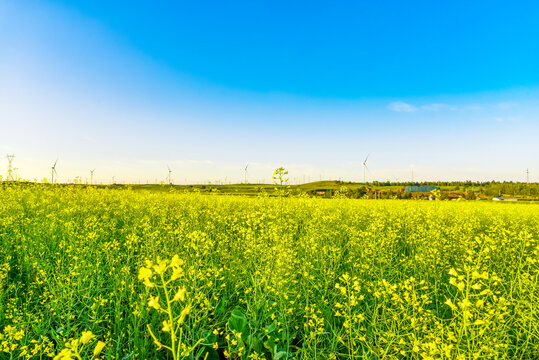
(90, 273)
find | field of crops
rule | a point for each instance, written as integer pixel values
(117, 274)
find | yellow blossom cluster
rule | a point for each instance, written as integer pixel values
(178, 274)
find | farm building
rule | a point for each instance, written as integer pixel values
(420, 189)
(322, 192)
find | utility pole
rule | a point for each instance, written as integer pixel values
(10, 167)
(528, 181)
(169, 177)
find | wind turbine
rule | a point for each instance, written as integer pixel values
(169, 178)
(92, 176)
(53, 171)
(364, 168)
(245, 170)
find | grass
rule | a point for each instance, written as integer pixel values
(170, 275)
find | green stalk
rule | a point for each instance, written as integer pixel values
(171, 318)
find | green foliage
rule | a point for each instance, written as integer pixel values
(325, 279)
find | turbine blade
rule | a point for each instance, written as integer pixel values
(366, 158)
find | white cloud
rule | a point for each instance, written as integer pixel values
(399, 106)
(507, 118)
(504, 105)
(474, 107)
(438, 107)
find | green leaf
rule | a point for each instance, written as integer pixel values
(254, 343)
(220, 308)
(280, 354)
(238, 322)
(209, 337)
(212, 354)
(270, 328)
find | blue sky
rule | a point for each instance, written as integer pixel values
(450, 89)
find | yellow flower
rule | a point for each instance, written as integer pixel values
(154, 302)
(184, 313)
(98, 347)
(161, 267)
(450, 304)
(180, 295)
(176, 261)
(65, 354)
(465, 303)
(144, 273)
(176, 273)
(86, 337)
(166, 326)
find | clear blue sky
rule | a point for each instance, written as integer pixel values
(448, 88)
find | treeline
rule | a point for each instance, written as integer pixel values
(469, 190)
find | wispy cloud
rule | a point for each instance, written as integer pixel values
(474, 107)
(507, 118)
(504, 105)
(399, 106)
(438, 107)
